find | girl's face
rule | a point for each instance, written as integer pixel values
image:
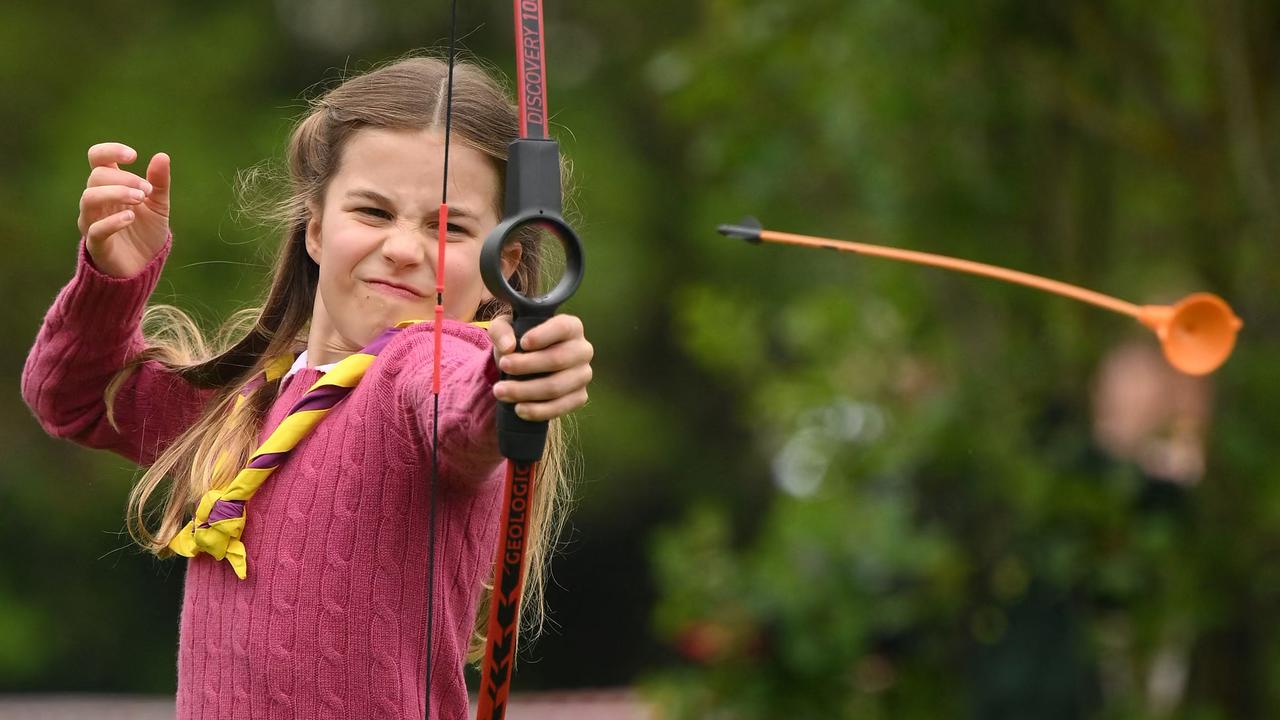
(374, 238)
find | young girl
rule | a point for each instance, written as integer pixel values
(319, 608)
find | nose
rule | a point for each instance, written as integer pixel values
(407, 246)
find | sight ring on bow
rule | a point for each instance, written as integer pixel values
(552, 227)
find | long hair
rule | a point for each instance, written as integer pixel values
(405, 95)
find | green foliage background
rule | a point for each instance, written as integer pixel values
(956, 545)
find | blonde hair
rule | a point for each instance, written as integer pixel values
(407, 94)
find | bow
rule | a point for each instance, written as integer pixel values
(532, 204)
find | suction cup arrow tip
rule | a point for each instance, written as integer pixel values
(1197, 333)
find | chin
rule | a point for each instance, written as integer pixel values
(365, 331)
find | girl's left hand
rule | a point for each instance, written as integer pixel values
(557, 347)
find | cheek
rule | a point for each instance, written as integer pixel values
(345, 248)
(463, 285)
(462, 266)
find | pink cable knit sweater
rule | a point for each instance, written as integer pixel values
(331, 621)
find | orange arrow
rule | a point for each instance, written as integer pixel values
(1197, 333)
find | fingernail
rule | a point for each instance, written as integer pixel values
(147, 186)
(128, 215)
(136, 195)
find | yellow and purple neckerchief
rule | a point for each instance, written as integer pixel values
(220, 517)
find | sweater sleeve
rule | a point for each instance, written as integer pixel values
(88, 335)
(468, 452)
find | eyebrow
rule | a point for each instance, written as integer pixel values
(374, 195)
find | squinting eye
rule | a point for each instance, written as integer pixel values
(375, 212)
(457, 230)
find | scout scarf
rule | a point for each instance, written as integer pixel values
(220, 516)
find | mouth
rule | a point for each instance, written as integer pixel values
(391, 288)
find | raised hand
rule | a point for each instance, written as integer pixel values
(123, 217)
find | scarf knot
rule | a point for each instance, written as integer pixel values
(215, 530)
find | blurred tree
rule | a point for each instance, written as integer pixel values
(946, 539)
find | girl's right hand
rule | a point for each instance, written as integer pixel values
(124, 218)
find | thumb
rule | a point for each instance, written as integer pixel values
(502, 335)
(158, 174)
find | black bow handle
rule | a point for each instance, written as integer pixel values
(532, 202)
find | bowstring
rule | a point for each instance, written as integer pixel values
(442, 232)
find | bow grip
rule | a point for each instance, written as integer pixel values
(519, 439)
(532, 200)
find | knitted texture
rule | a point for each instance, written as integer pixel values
(331, 623)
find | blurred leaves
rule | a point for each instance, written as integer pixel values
(978, 548)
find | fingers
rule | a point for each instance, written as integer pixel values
(557, 350)
(561, 356)
(502, 335)
(556, 344)
(547, 397)
(561, 334)
(103, 175)
(113, 197)
(557, 328)
(544, 388)
(93, 200)
(158, 174)
(111, 154)
(563, 405)
(108, 226)
(105, 159)
(98, 202)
